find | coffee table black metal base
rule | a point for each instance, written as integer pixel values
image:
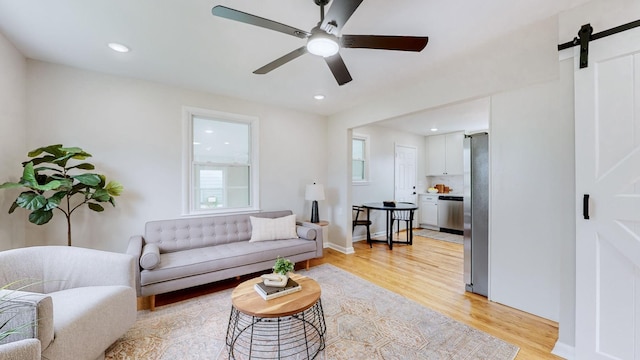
(298, 336)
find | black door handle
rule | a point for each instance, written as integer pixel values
(585, 206)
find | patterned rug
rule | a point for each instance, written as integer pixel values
(364, 321)
(432, 234)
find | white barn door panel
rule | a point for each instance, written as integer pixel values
(607, 108)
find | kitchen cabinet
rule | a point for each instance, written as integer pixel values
(428, 210)
(444, 154)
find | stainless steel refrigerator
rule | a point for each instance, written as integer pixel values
(476, 213)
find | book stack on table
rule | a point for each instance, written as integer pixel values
(272, 292)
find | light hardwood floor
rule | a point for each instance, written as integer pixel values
(430, 273)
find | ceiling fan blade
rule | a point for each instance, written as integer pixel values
(282, 60)
(339, 12)
(384, 42)
(338, 68)
(231, 14)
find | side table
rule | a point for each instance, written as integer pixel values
(289, 326)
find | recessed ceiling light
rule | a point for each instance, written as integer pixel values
(118, 47)
(196, 143)
(209, 131)
(318, 97)
(226, 143)
(434, 129)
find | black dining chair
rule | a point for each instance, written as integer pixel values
(407, 217)
(361, 222)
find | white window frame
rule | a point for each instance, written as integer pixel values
(367, 146)
(188, 113)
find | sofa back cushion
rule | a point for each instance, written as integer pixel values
(179, 234)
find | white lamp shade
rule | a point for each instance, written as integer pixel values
(314, 192)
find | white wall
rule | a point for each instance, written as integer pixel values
(382, 141)
(13, 68)
(133, 129)
(532, 187)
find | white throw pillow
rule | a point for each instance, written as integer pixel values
(263, 229)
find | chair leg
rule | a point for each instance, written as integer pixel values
(369, 237)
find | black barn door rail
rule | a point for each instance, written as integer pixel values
(585, 35)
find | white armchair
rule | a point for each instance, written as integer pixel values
(83, 300)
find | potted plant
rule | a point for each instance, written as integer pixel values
(280, 276)
(51, 183)
(283, 266)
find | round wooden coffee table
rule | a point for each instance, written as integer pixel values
(289, 326)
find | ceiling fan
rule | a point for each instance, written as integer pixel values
(325, 39)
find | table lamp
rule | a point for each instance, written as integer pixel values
(314, 193)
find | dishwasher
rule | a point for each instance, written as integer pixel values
(451, 214)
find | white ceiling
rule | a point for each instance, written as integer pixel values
(470, 116)
(182, 44)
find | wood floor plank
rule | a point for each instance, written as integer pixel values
(429, 272)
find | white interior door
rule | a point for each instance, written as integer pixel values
(607, 110)
(405, 174)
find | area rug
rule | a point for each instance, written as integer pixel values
(364, 321)
(432, 234)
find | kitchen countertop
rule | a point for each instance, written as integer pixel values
(446, 194)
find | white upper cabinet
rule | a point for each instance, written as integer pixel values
(444, 154)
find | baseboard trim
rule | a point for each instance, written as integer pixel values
(341, 249)
(565, 351)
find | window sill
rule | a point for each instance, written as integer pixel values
(220, 212)
(360, 183)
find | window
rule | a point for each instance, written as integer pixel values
(221, 162)
(360, 159)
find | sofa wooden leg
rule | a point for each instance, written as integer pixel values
(307, 264)
(152, 303)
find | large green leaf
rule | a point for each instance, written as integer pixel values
(51, 149)
(40, 160)
(42, 168)
(40, 217)
(114, 188)
(88, 179)
(75, 151)
(95, 207)
(101, 195)
(54, 201)
(31, 201)
(11, 185)
(31, 179)
(83, 166)
(29, 175)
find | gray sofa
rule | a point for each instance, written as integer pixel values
(182, 253)
(78, 303)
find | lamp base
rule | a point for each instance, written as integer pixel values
(314, 212)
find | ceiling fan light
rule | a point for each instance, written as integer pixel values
(322, 46)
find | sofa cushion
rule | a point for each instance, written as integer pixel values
(192, 262)
(150, 257)
(263, 229)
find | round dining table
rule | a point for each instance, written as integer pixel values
(399, 206)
